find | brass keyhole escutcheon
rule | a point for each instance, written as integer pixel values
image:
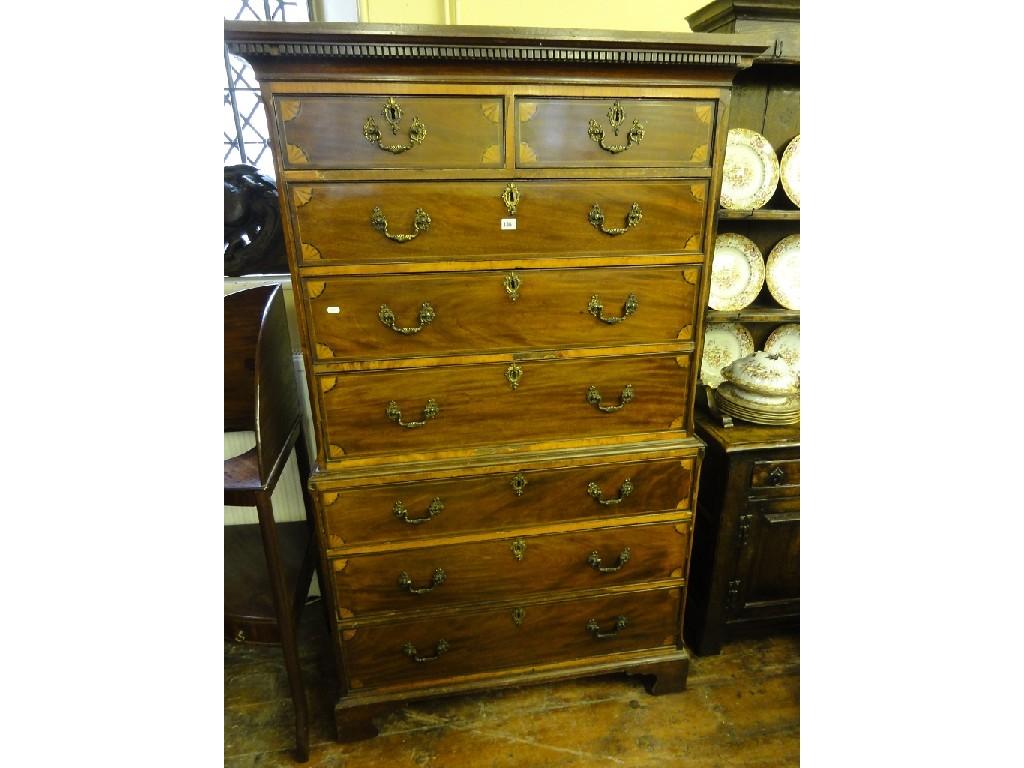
(511, 197)
(518, 484)
(514, 373)
(512, 284)
(518, 614)
(393, 113)
(518, 548)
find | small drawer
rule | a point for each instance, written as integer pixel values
(382, 317)
(775, 474)
(613, 133)
(449, 407)
(392, 131)
(535, 495)
(500, 638)
(509, 568)
(383, 222)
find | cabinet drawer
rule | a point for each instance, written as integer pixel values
(475, 312)
(509, 568)
(322, 131)
(533, 496)
(351, 222)
(775, 474)
(573, 132)
(455, 406)
(506, 637)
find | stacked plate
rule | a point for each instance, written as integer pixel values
(732, 403)
(760, 388)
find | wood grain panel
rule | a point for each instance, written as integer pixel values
(555, 132)
(477, 406)
(367, 515)
(460, 131)
(474, 311)
(489, 570)
(552, 219)
(492, 639)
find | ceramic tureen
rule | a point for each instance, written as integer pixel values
(762, 378)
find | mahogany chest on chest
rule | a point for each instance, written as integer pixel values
(499, 243)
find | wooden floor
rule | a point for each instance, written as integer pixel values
(740, 709)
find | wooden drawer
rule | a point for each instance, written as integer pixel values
(472, 405)
(322, 131)
(557, 132)
(775, 474)
(474, 312)
(505, 637)
(553, 219)
(533, 496)
(492, 570)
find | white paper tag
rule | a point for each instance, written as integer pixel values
(508, 223)
(333, 310)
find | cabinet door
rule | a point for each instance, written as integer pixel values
(766, 583)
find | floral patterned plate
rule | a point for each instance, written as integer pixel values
(784, 272)
(784, 341)
(751, 172)
(737, 272)
(723, 343)
(790, 171)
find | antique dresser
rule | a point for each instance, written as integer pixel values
(500, 239)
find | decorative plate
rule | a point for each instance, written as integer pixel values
(790, 171)
(723, 343)
(751, 172)
(784, 341)
(784, 272)
(737, 272)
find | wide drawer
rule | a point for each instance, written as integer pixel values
(456, 406)
(414, 315)
(427, 649)
(649, 133)
(509, 568)
(322, 131)
(533, 496)
(357, 222)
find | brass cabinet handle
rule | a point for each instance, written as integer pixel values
(595, 492)
(426, 317)
(436, 580)
(594, 398)
(616, 114)
(595, 629)
(596, 308)
(421, 222)
(392, 112)
(633, 218)
(435, 508)
(594, 561)
(430, 411)
(410, 650)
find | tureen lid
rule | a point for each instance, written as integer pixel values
(763, 373)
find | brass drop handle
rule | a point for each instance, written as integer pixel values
(594, 561)
(595, 629)
(595, 492)
(596, 308)
(435, 508)
(410, 650)
(392, 112)
(426, 317)
(777, 476)
(616, 114)
(430, 411)
(594, 398)
(436, 580)
(421, 222)
(633, 218)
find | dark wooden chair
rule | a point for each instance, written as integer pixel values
(268, 566)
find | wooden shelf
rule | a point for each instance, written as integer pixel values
(754, 314)
(761, 214)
